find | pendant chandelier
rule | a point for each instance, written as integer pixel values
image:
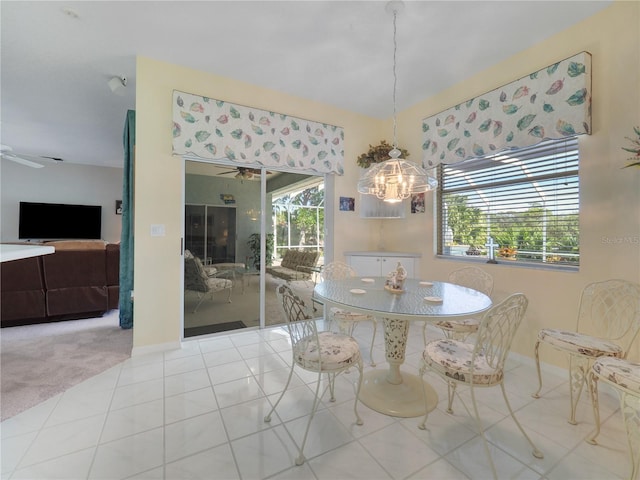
(395, 179)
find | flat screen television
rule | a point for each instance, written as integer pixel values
(57, 221)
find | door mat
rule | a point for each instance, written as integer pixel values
(215, 328)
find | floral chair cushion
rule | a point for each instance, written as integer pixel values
(452, 359)
(463, 325)
(579, 343)
(619, 372)
(339, 314)
(336, 352)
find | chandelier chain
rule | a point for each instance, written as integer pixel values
(395, 78)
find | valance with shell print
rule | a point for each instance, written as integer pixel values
(552, 103)
(215, 129)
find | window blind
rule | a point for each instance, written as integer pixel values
(525, 200)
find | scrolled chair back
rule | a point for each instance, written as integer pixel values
(301, 326)
(497, 330)
(337, 271)
(473, 277)
(612, 309)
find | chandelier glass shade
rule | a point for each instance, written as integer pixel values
(396, 179)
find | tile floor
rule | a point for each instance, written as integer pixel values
(197, 413)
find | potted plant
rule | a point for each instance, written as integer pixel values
(377, 154)
(254, 245)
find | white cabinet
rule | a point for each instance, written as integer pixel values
(379, 264)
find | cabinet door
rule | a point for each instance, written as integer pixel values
(365, 266)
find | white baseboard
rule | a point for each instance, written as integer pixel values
(161, 347)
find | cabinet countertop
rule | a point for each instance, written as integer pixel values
(383, 253)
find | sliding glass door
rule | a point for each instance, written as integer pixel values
(226, 232)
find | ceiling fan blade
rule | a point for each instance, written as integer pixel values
(22, 161)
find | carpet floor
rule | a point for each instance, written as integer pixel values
(40, 361)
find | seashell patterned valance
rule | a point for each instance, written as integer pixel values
(552, 103)
(215, 129)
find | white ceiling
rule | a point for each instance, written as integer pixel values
(55, 66)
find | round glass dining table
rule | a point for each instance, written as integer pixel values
(391, 391)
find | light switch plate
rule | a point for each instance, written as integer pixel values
(157, 230)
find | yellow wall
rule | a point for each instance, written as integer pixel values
(610, 196)
(158, 183)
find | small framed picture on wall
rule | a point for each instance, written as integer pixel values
(347, 204)
(118, 207)
(417, 203)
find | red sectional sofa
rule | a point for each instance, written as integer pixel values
(79, 280)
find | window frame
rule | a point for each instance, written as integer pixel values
(566, 150)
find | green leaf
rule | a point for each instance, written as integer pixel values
(219, 103)
(322, 155)
(219, 133)
(197, 107)
(483, 104)
(177, 130)
(290, 161)
(211, 148)
(230, 154)
(537, 131)
(578, 98)
(449, 119)
(443, 132)
(247, 141)
(296, 144)
(237, 133)
(425, 145)
(547, 108)
(425, 127)
(188, 117)
(525, 121)
(294, 125)
(202, 135)
(478, 150)
(268, 146)
(234, 113)
(469, 102)
(188, 143)
(575, 69)
(275, 156)
(565, 128)
(509, 137)
(257, 130)
(313, 140)
(552, 68)
(452, 144)
(460, 152)
(467, 133)
(484, 126)
(510, 109)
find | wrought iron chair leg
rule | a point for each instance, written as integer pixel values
(536, 452)
(536, 394)
(593, 389)
(577, 379)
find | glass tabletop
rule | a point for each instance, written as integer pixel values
(418, 300)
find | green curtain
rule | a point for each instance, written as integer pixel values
(126, 237)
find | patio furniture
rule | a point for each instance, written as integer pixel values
(346, 319)
(461, 328)
(479, 364)
(610, 312)
(321, 352)
(205, 282)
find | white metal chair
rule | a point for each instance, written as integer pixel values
(461, 328)
(345, 319)
(624, 376)
(321, 352)
(611, 310)
(203, 281)
(479, 364)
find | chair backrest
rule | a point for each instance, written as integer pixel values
(195, 278)
(337, 271)
(301, 326)
(497, 329)
(473, 277)
(612, 308)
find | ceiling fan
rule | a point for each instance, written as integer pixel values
(7, 153)
(244, 173)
